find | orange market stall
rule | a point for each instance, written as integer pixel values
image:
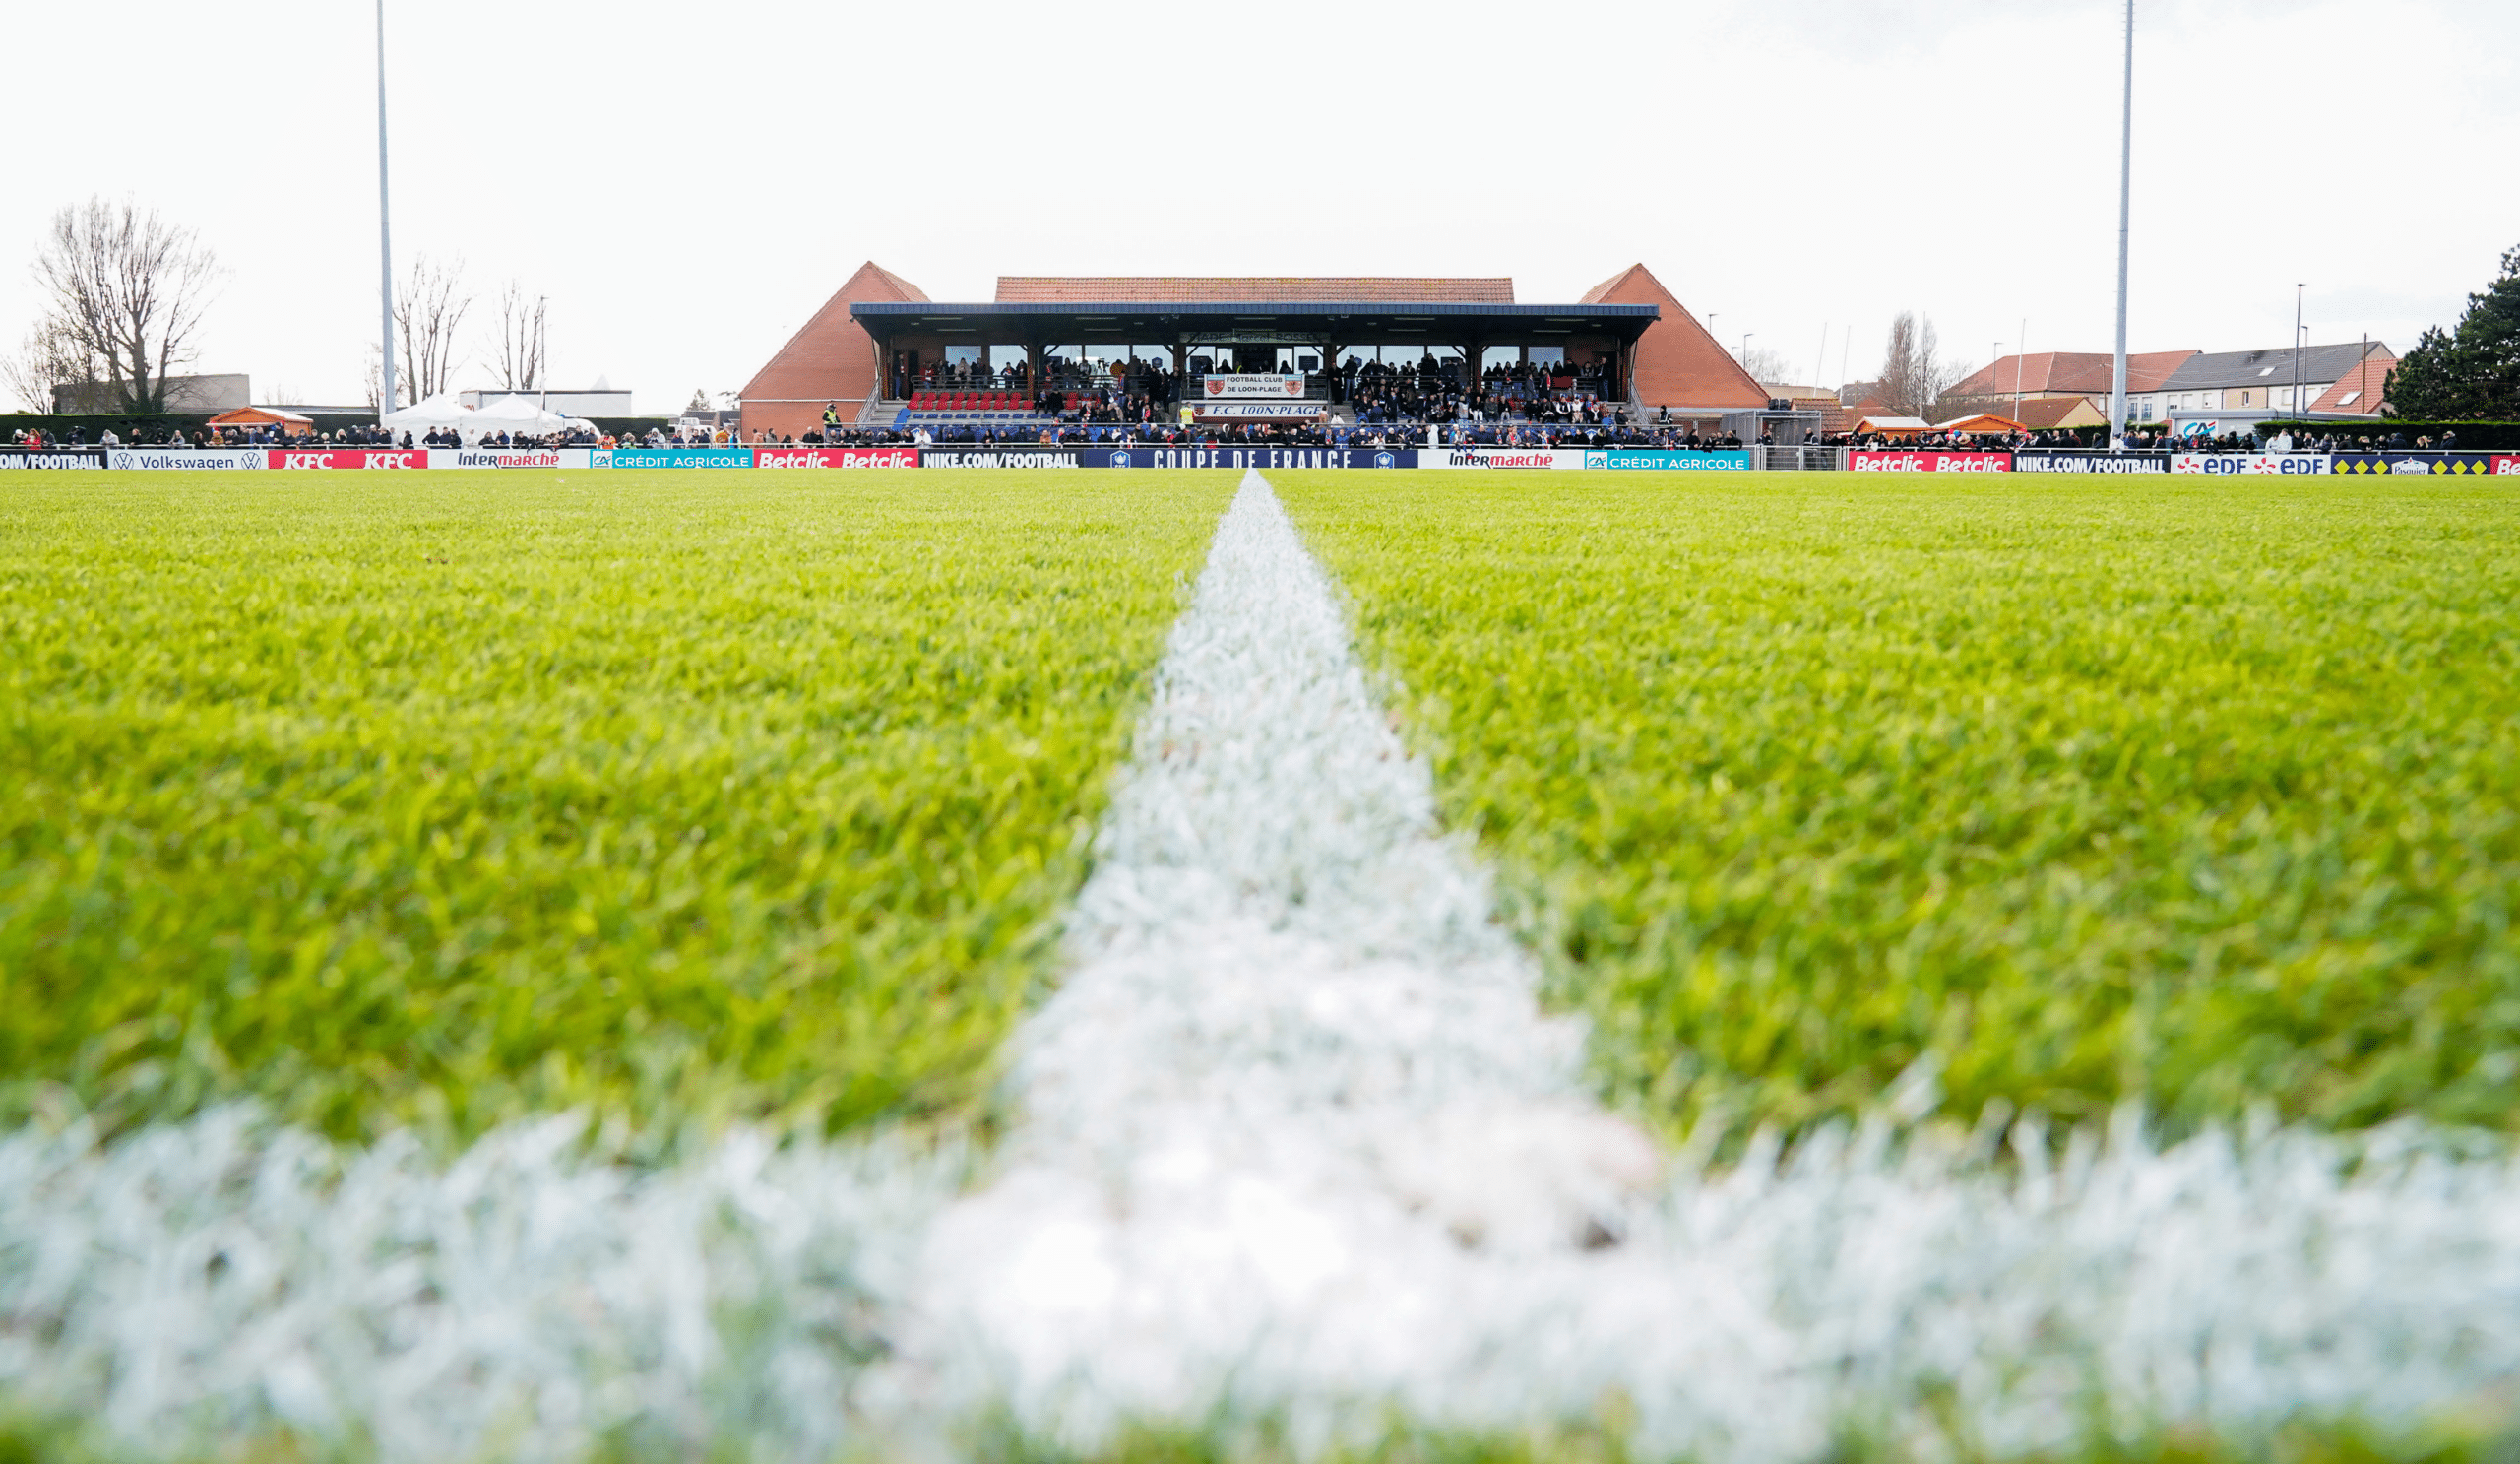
(1983, 425)
(290, 422)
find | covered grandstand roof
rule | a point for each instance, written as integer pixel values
(1348, 322)
(1201, 288)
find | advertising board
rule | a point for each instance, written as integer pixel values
(1721, 459)
(1501, 457)
(834, 457)
(674, 457)
(2419, 463)
(1257, 411)
(510, 457)
(53, 457)
(1928, 460)
(1264, 458)
(2239, 462)
(1002, 457)
(2506, 463)
(348, 457)
(2064, 462)
(165, 459)
(1250, 385)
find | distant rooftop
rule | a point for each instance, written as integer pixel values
(1195, 288)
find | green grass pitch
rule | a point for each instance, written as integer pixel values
(2202, 794)
(442, 800)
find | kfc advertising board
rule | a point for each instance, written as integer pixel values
(349, 457)
(1927, 459)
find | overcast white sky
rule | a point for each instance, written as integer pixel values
(687, 183)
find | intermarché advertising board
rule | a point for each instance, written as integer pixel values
(1929, 461)
(1501, 457)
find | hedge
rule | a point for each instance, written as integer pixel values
(2472, 436)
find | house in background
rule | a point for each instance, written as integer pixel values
(183, 393)
(2232, 391)
(2070, 375)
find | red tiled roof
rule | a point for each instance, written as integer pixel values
(2079, 371)
(1677, 363)
(830, 359)
(1112, 288)
(2367, 382)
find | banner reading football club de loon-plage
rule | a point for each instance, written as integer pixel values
(1250, 384)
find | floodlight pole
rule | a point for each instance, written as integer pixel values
(384, 229)
(2297, 290)
(2020, 355)
(2126, 205)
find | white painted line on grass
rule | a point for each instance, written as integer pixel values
(1295, 1145)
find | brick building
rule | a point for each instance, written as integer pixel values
(875, 337)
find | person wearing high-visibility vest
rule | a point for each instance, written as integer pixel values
(831, 420)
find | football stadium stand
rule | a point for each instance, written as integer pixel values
(1209, 354)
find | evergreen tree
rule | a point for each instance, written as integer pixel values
(2472, 373)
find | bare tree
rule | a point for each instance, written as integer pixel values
(1916, 379)
(521, 339)
(52, 357)
(1897, 384)
(426, 311)
(130, 289)
(375, 382)
(1767, 367)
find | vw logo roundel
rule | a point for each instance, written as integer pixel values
(1385, 460)
(1120, 460)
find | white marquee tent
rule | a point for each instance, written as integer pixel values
(428, 415)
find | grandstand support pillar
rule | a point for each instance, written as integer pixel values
(1033, 367)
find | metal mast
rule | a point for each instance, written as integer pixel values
(2125, 203)
(384, 229)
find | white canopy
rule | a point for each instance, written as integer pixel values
(428, 415)
(515, 415)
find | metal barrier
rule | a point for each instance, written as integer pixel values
(1802, 459)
